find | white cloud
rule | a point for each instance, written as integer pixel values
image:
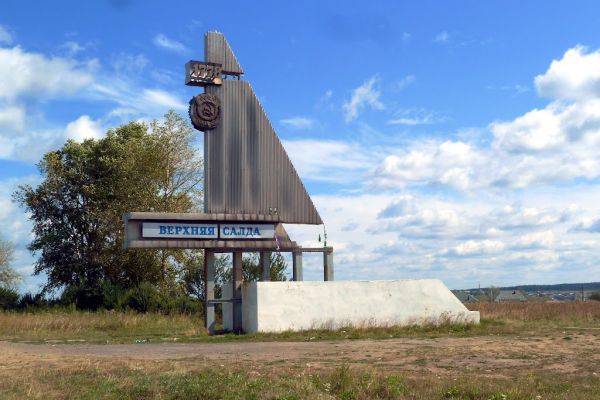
(415, 116)
(27, 79)
(536, 240)
(536, 130)
(365, 95)
(574, 77)
(32, 74)
(164, 42)
(162, 98)
(133, 63)
(298, 122)
(442, 37)
(476, 247)
(588, 224)
(72, 48)
(5, 36)
(400, 206)
(12, 118)
(332, 161)
(558, 143)
(449, 163)
(406, 81)
(84, 128)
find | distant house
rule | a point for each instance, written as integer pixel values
(566, 297)
(465, 297)
(509, 295)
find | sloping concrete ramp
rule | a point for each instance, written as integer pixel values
(294, 306)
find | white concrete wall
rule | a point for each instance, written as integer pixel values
(283, 306)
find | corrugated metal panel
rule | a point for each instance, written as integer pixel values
(246, 167)
(217, 50)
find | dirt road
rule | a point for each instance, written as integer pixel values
(490, 355)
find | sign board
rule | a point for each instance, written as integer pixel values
(179, 231)
(224, 231)
(198, 73)
(246, 231)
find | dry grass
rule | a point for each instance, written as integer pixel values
(533, 358)
(98, 326)
(118, 327)
(576, 311)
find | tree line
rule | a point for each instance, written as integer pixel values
(76, 213)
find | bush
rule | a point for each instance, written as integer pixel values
(84, 298)
(143, 298)
(114, 297)
(595, 296)
(29, 300)
(9, 298)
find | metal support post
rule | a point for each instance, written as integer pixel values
(297, 266)
(265, 266)
(209, 278)
(328, 266)
(238, 278)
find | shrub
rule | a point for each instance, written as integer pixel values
(28, 300)
(84, 298)
(9, 298)
(114, 297)
(595, 296)
(143, 298)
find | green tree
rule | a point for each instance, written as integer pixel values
(250, 268)
(8, 277)
(77, 209)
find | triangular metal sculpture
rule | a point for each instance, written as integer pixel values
(217, 50)
(246, 168)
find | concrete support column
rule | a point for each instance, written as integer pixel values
(209, 279)
(328, 266)
(297, 266)
(265, 266)
(238, 278)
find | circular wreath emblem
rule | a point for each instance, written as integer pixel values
(205, 110)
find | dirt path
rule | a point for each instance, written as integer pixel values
(491, 355)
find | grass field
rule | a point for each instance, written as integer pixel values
(113, 327)
(520, 351)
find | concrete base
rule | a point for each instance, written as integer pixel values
(294, 306)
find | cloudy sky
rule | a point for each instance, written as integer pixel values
(451, 140)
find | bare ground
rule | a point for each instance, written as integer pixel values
(493, 356)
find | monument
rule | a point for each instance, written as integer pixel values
(251, 189)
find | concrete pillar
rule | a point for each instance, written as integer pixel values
(238, 278)
(328, 266)
(297, 266)
(209, 279)
(265, 266)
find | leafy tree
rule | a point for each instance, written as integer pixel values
(77, 209)
(9, 298)
(250, 268)
(8, 277)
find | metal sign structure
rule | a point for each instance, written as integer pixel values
(251, 187)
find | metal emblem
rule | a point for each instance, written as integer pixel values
(205, 110)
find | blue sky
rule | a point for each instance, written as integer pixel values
(451, 140)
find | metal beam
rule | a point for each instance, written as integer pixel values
(328, 266)
(238, 278)
(209, 295)
(297, 274)
(265, 266)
